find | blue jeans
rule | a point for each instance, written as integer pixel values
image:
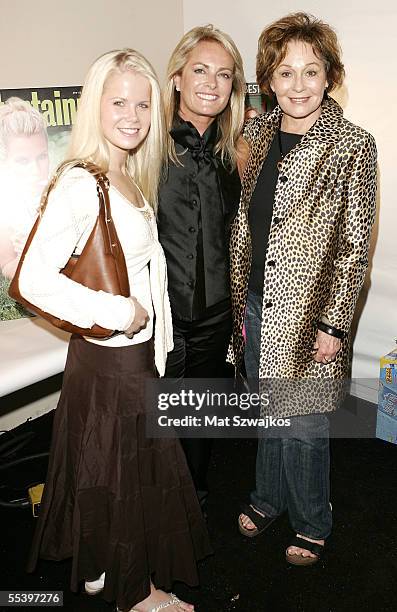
(291, 473)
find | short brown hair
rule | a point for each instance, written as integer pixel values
(273, 41)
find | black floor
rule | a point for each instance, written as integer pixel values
(359, 571)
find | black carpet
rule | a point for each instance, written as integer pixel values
(358, 572)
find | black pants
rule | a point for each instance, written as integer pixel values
(200, 349)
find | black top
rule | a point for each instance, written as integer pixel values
(261, 206)
(197, 204)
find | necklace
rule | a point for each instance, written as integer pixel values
(147, 214)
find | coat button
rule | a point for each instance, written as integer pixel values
(190, 256)
(271, 263)
(192, 229)
(190, 284)
(268, 304)
(283, 178)
(194, 202)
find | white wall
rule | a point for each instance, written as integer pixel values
(43, 43)
(367, 31)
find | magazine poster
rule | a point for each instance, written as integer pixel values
(256, 103)
(35, 128)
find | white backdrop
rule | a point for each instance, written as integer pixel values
(367, 32)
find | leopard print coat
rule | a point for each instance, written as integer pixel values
(323, 213)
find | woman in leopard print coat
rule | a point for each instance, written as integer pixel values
(299, 253)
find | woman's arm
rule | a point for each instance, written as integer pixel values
(70, 215)
(351, 260)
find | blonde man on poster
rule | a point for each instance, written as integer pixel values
(24, 167)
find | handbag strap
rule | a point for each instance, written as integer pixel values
(102, 188)
(112, 244)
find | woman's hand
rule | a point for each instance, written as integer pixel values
(140, 320)
(325, 348)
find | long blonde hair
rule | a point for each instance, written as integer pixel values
(144, 164)
(230, 121)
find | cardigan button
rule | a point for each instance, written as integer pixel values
(276, 220)
(192, 229)
(283, 178)
(190, 256)
(190, 284)
(271, 263)
(268, 304)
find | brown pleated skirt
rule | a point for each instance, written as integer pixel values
(114, 500)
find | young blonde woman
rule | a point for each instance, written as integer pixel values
(120, 504)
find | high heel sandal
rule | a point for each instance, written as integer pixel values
(166, 604)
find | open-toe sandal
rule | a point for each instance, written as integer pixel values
(261, 522)
(173, 601)
(316, 549)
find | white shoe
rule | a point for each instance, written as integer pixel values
(93, 587)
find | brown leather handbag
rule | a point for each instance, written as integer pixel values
(100, 266)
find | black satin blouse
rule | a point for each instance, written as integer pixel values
(197, 204)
